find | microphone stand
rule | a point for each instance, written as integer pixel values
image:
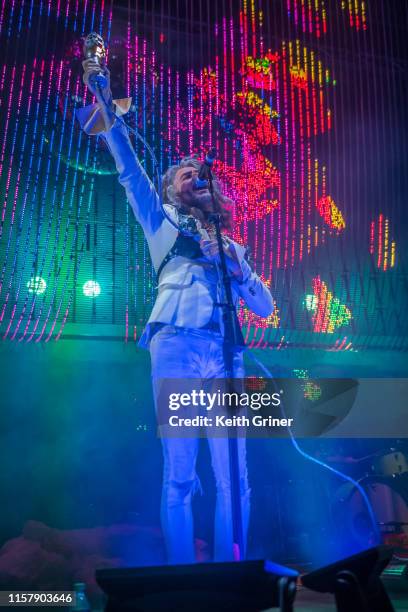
(232, 338)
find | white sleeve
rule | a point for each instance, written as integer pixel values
(251, 289)
(139, 188)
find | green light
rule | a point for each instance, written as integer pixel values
(312, 391)
(395, 570)
(339, 313)
(91, 288)
(36, 285)
(299, 373)
(311, 301)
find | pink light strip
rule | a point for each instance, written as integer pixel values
(4, 134)
(34, 78)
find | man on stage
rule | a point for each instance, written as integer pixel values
(185, 330)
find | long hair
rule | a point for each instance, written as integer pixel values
(223, 204)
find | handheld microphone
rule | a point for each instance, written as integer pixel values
(94, 47)
(202, 179)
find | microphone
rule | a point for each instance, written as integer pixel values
(202, 179)
(94, 47)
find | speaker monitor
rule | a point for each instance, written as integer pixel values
(248, 586)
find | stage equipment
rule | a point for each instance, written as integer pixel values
(232, 338)
(392, 463)
(383, 472)
(355, 581)
(396, 482)
(250, 586)
(395, 577)
(350, 484)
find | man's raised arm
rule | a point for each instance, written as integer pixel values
(101, 119)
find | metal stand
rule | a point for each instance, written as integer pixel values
(355, 581)
(287, 594)
(354, 596)
(232, 338)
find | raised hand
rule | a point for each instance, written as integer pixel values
(92, 66)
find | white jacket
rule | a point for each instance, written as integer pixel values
(188, 288)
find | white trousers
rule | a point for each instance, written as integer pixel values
(182, 353)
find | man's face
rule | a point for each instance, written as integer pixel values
(183, 187)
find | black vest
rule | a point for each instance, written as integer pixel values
(184, 246)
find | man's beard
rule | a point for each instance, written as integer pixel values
(200, 205)
(201, 200)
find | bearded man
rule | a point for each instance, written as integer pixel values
(185, 330)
